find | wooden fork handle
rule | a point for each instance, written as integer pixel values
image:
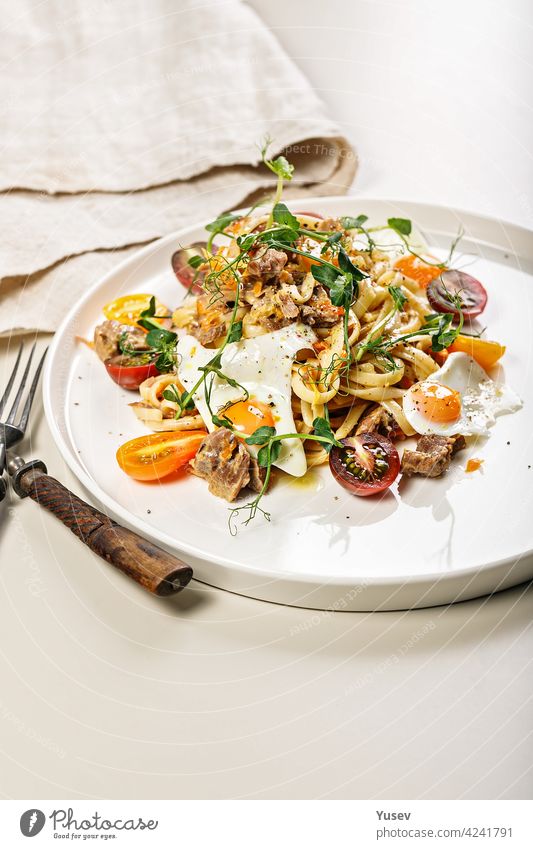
(153, 568)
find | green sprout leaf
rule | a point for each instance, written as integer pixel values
(398, 297)
(337, 290)
(221, 422)
(283, 216)
(220, 223)
(262, 435)
(158, 337)
(268, 454)
(350, 223)
(150, 310)
(346, 265)
(280, 166)
(235, 333)
(400, 225)
(184, 401)
(322, 428)
(325, 274)
(246, 242)
(285, 235)
(441, 329)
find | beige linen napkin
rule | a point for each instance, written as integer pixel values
(126, 120)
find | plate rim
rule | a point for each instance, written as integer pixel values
(161, 537)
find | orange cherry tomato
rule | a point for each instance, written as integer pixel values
(247, 416)
(128, 308)
(156, 455)
(417, 269)
(482, 351)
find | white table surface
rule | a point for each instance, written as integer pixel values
(110, 693)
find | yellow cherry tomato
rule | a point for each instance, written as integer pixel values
(483, 351)
(128, 308)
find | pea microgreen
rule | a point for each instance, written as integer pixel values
(268, 453)
(219, 225)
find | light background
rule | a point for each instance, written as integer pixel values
(436, 97)
(109, 693)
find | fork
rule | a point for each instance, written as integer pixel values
(153, 568)
(11, 433)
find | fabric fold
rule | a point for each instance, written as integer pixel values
(125, 121)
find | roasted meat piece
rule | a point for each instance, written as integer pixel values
(378, 420)
(108, 335)
(268, 264)
(208, 324)
(318, 311)
(226, 464)
(432, 455)
(273, 310)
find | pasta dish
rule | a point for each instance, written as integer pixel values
(303, 341)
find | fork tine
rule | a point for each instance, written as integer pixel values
(29, 400)
(18, 396)
(5, 396)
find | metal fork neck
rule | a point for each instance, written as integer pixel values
(14, 463)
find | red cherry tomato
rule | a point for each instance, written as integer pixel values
(450, 284)
(366, 464)
(310, 214)
(130, 371)
(191, 278)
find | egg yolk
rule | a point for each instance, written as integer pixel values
(247, 416)
(437, 402)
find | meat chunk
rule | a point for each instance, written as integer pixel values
(208, 325)
(268, 264)
(432, 455)
(274, 309)
(226, 465)
(378, 420)
(109, 334)
(257, 475)
(318, 311)
(207, 333)
(287, 306)
(329, 224)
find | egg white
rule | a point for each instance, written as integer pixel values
(263, 366)
(481, 399)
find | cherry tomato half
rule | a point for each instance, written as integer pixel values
(366, 464)
(483, 351)
(449, 284)
(191, 278)
(130, 371)
(156, 455)
(127, 309)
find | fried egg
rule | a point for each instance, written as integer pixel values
(459, 398)
(262, 366)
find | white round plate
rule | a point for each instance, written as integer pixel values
(425, 542)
